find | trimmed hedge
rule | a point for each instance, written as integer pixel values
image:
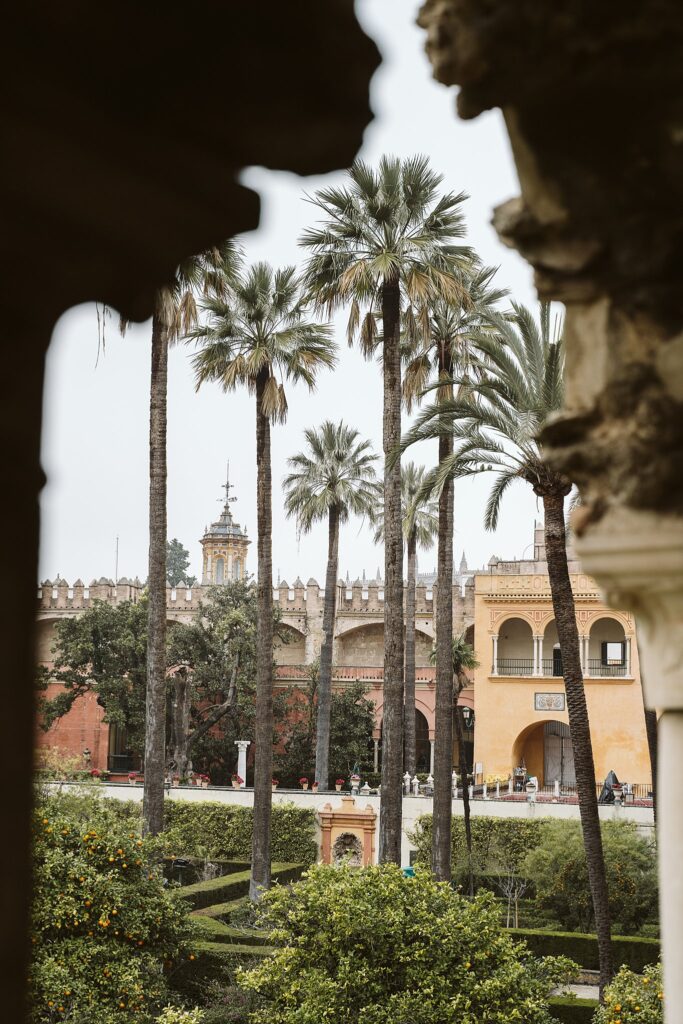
(228, 888)
(215, 961)
(224, 831)
(216, 931)
(631, 950)
(573, 1011)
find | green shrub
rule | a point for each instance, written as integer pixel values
(557, 867)
(105, 931)
(497, 844)
(573, 1011)
(368, 945)
(632, 999)
(224, 831)
(633, 951)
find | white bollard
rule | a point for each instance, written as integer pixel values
(406, 783)
(416, 786)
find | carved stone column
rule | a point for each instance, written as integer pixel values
(595, 131)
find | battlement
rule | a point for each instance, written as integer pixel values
(62, 596)
(365, 596)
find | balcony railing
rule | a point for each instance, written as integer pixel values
(597, 670)
(515, 666)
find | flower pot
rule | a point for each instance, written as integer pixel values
(338, 788)
(131, 782)
(205, 784)
(235, 785)
(304, 785)
(274, 786)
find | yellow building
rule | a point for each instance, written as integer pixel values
(521, 715)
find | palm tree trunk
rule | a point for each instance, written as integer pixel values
(263, 730)
(392, 722)
(651, 733)
(443, 719)
(322, 744)
(565, 619)
(181, 722)
(155, 704)
(409, 682)
(462, 768)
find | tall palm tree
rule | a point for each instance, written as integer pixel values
(175, 313)
(259, 335)
(495, 428)
(386, 243)
(462, 659)
(333, 479)
(420, 525)
(431, 359)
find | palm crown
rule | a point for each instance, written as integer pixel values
(384, 226)
(257, 328)
(419, 514)
(449, 335)
(495, 422)
(336, 472)
(462, 654)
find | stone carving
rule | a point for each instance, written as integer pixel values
(549, 702)
(347, 849)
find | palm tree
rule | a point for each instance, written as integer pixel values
(495, 428)
(420, 524)
(463, 657)
(175, 312)
(431, 360)
(334, 479)
(386, 245)
(258, 334)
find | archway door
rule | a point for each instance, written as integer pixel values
(558, 755)
(545, 750)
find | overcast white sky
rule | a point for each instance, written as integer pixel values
(96, 417)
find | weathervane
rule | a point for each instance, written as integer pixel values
(227, 487)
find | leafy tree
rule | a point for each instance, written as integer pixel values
(368, 946)
(177, 563)
(633, 998)
(333, 479)
(445, 348)
(386, 245)
(209, 688)
(351, 724)
(260, 335)
(420, 524)
(559, 872)
(495, 425)
(106, 932)
(213, 680)
(102, 651)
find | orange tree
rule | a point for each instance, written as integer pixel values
(106, 933)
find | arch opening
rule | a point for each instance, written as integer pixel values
(607, 649)
(515, 648)
(544, 749)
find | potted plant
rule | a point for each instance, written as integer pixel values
(236, 780)
(276, 783)
(205, 780)
(132, 778)
(95, 774)
(303, 782)
(176, 780)
(314, 787)
(338, 784)
(355, 782)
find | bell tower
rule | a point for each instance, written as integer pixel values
(224, 546)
